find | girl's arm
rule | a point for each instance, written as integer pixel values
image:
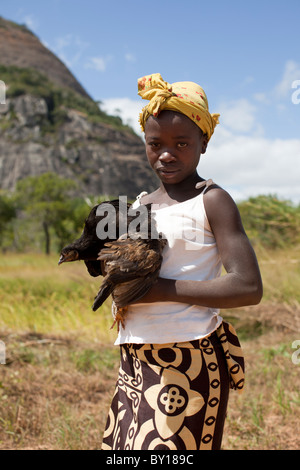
(241, 285)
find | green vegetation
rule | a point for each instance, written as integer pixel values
(43, 211)
(7, 213)
(42, 215)
(22, 81)
(61, 366)
(45, 201)
(37, 295)
(270, 221)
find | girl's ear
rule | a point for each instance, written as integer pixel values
(204, 143)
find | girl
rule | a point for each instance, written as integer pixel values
(178, 357)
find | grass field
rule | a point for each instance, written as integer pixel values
(61, 365)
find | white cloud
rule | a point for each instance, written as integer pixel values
(130, 57)
(29, 19)
(247, 80)
(238, 116)
(31, 22)
(248, 166)
(239, 157)
(261, 98)
(128, 110)
(69, 48)
(242, 159)
(98, 63)
(291, 73)
(64, 41)
(281, 93)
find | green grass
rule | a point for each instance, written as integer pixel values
(61, 369)
(38, 295)
(22, 81)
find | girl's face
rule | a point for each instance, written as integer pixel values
(173, 146)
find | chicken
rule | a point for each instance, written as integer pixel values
(88, 246)
(132, 266)
(130, 262)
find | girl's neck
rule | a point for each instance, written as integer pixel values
(184, 190)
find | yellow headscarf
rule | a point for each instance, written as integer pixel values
(184, 97)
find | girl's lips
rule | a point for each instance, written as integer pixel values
(165, 171)
(167, 174)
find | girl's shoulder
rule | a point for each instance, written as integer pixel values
(216, 195)
(220, 207)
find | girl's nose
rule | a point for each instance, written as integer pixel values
(166, 157)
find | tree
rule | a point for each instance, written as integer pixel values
(47, 199)
(7, 213)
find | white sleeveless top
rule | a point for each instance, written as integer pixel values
(191, 254)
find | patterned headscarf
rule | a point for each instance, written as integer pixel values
(184, 97)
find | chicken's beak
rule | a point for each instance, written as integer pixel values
(71, 256)
(61, 259)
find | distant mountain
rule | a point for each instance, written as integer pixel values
(20, 47)
(49, 123)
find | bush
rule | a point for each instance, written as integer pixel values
(270, 221)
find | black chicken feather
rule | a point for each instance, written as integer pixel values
(130, 262)
(132, 267)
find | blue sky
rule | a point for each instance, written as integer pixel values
(245, 55)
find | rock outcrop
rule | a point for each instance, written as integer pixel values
(37, 136)
(101, 159)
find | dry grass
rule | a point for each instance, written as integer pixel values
(54, 392)
(266, 415)
(60, 364)
(61, 368)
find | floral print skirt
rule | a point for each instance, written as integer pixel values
(174, 396)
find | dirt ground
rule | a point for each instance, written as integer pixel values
(55, 391)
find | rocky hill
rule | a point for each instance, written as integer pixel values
(49, 123)
(20, 47)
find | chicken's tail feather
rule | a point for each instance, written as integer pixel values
(104, 292)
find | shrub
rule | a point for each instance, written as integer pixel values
(270, 221)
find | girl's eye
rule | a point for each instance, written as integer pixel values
(154, 145)
(182, 145)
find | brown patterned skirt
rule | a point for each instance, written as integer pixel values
(174, 396)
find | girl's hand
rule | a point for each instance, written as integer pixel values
(159, 292)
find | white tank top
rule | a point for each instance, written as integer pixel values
(191, 254)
